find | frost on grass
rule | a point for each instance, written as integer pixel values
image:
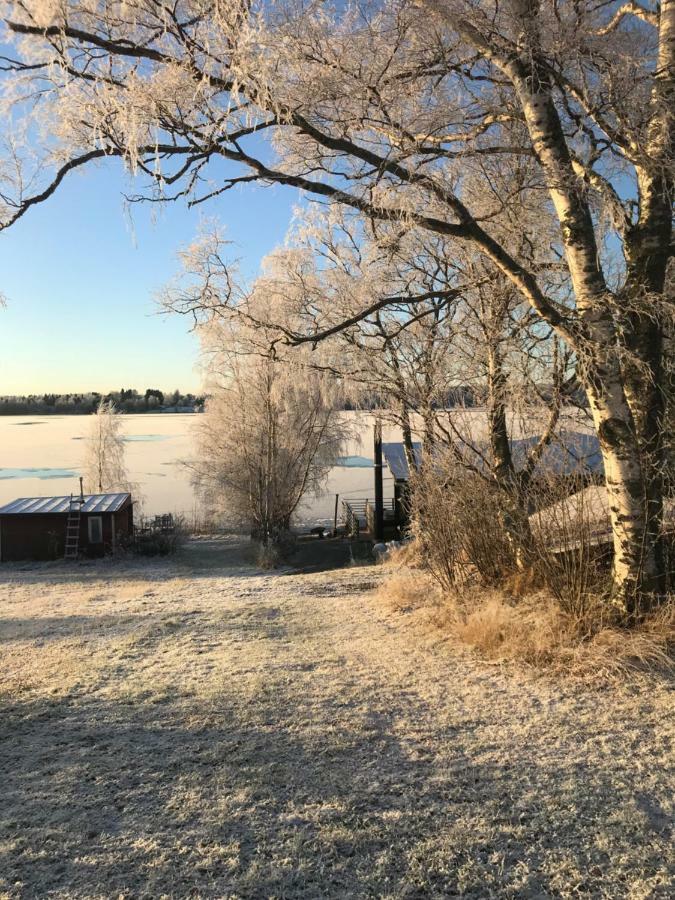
(199, 728)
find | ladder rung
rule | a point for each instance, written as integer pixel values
(73, 524)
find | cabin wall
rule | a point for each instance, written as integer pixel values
(32, 537)
(124, 525)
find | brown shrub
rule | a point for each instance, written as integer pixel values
(554, 611)
(458, 527)
(568, 549)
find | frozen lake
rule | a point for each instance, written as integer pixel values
(41, 456)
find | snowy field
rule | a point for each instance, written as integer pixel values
(198, 728)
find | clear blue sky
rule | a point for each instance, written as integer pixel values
(80, 283)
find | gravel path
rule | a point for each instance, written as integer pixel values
(201, 729)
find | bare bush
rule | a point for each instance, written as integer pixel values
(551, 613)
(458, 524)
(162, 543)
(470, 526)
(571, 548)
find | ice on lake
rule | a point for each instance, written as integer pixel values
(46, 461)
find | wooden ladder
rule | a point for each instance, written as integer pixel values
(73, 528)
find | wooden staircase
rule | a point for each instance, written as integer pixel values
(73, 527)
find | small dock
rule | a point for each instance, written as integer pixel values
(359, 517)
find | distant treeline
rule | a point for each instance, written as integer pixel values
(126, 400)
(468, 397)
(458, 396)
(154, 400)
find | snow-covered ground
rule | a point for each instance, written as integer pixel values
(196, 727)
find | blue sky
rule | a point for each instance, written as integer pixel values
(80, 283)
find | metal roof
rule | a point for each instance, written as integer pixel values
(570, 452)
(567, 453)
(395, 458)
(93, 503)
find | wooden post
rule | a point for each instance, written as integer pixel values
(379, 489)
(337, 497)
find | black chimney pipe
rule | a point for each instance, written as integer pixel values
(379, 489)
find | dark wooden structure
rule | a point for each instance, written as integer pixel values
(36, 527)
(396, 460)
(378, 518)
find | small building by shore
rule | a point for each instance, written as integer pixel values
(45, 528)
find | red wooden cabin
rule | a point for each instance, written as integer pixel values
(37, 527)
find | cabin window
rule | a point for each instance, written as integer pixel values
(95, 526)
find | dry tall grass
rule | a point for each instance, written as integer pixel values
(535, 630)
(404, 590)
(538, 632)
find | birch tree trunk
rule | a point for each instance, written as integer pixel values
(647, 249)
(406, 428)
(636, 563)
(512, 503)
(401, 396)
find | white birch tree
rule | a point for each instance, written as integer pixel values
(269, 434)
(104, 467)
